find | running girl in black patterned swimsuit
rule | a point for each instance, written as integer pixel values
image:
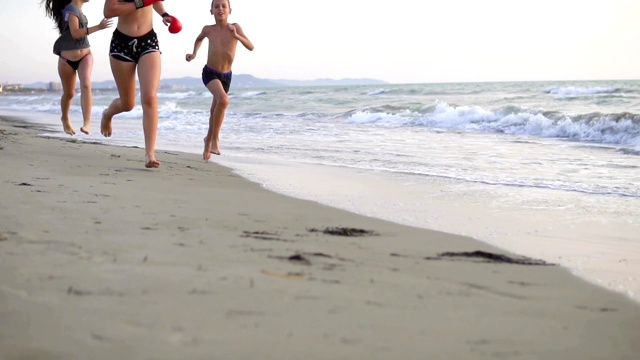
(134, 47)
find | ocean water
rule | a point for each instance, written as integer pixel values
(549, 170)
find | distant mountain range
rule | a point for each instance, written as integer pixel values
(240, 80)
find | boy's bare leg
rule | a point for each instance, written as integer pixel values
(149, 75)
(206, 154)
(216, 117)
(212, 139)
(68, 80)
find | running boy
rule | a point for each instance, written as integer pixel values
(216, 74)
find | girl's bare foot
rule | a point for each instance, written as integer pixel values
(151, 162)
(85, 128)
(66, 125)
(105, 125)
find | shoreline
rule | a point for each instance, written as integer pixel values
(191, 259)
(598, 249)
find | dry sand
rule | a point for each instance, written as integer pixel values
(101, 258)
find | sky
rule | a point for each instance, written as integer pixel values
(397, 41)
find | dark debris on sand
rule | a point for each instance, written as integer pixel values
(489, 257)
(263, 235)
(344, 231)
(302, 258)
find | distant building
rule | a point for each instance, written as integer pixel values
(54, 86)
(13, 87)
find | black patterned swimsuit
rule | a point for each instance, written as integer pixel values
(131, 49)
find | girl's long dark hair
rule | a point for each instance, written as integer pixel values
(53, 10)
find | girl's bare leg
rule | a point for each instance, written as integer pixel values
(124, 74)
(149, 68)
(68, 80)
(86, 97)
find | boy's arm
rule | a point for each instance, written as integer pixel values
(197, 44)
(242, 37)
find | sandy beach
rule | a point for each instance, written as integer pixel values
(101, 258)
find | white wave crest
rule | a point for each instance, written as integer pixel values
(578, 91)
(253, 93)
(377, 92)
(604, 129)
(176, 95)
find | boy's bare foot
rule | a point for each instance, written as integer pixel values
(209, 148)
(214, 148)
(84, 131)
(105, 125)
(151, 162)
(66, 125)
(206, 154)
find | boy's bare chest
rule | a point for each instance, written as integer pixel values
(221, 37)
(222, 41)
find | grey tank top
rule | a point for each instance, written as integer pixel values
(66, 41)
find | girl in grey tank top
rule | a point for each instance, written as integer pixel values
(74, 56)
